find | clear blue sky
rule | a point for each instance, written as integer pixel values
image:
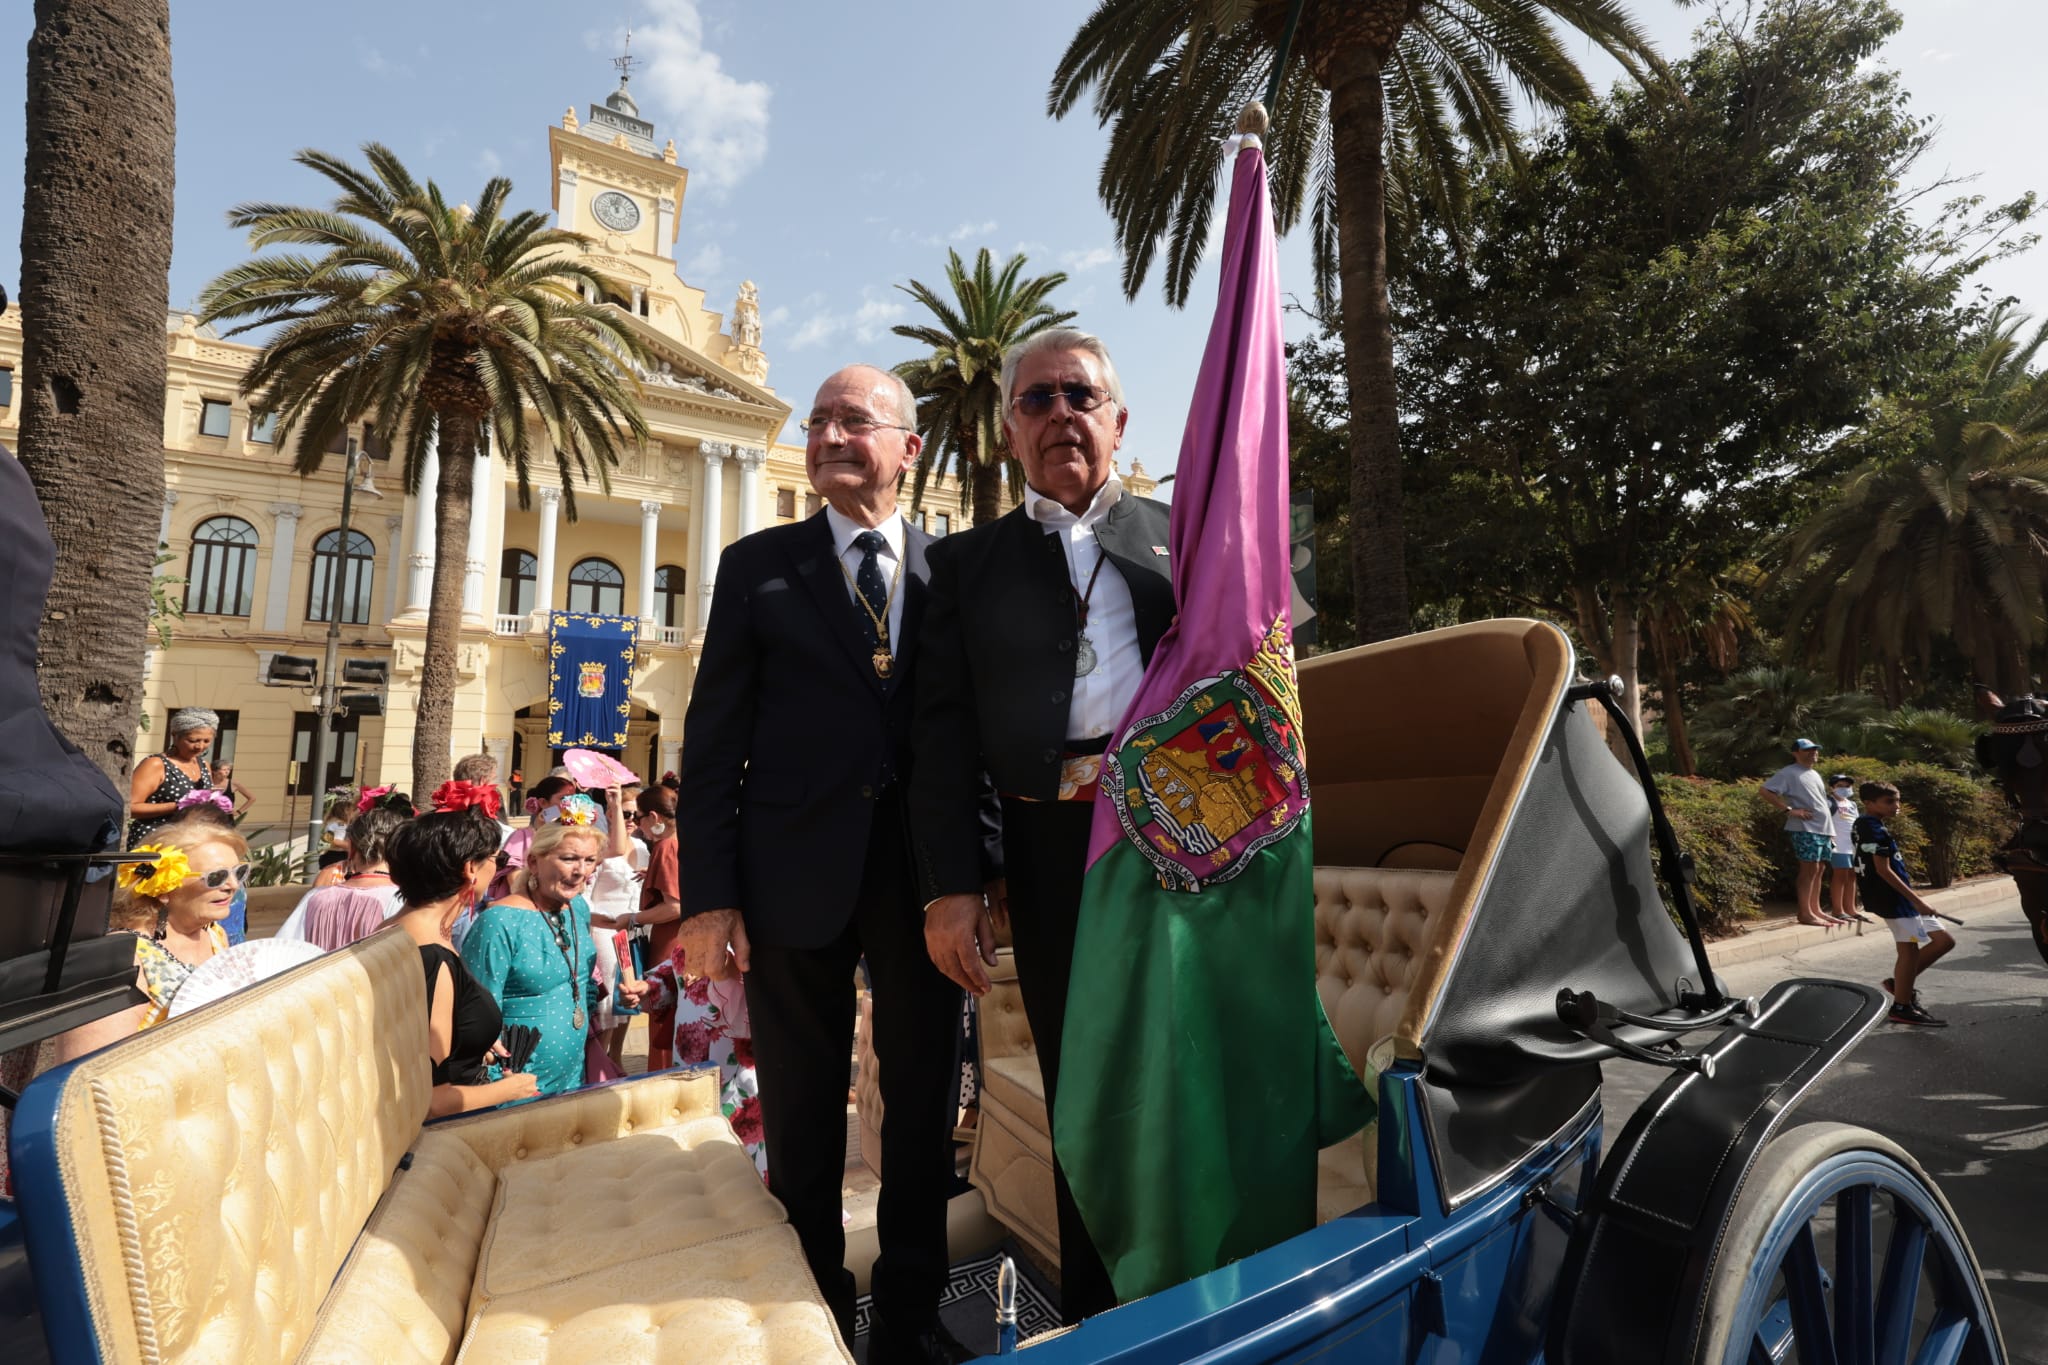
(835, 149)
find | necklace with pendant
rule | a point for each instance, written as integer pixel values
(884, 659)
(562, 940)
(1084, 648)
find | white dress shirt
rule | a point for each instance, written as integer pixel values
(844, 529)
(1099, 696)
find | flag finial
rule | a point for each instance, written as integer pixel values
(1253, 120)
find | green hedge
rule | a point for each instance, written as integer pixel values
(1949, 828)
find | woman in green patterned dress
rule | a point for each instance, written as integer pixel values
(532, 951)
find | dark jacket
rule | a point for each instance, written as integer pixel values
(996, 670)
(791, 740)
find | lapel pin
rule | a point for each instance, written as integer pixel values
(1159, 550)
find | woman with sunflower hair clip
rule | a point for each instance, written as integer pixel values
(174, 906)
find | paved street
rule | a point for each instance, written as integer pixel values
(1970, 1101)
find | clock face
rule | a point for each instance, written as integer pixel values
(616, 211)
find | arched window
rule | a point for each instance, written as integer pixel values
(518, 573)
(220, 578)
(341, 579)
(596, 586)
(668, 595)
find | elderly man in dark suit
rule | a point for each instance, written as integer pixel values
(1039, 630)
(795, 851)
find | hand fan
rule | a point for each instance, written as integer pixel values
(245, 964)
(595, 770)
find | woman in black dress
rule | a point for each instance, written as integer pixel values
(441, 864)
(160, 779)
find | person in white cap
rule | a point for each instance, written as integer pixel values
(1798, 790)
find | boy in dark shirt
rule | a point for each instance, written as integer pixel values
(1888, 893)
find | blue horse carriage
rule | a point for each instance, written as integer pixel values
(1491, 932)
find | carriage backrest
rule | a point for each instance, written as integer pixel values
(1416, 748)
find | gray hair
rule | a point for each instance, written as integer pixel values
(1059, 339)
(477, 768)
(193, 718)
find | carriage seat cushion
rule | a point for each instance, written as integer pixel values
(1373, 926)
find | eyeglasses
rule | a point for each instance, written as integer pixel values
(218, 878)
(1037, 401)
(853, 424)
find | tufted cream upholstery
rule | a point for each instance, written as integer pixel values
(528, 1131)
(616, 1202)
(1373, 926)
(220, 1165)
(750, 1301)
(404, 1294)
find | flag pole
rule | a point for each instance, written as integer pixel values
(1286, 46)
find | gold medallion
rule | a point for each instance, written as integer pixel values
(885, 663)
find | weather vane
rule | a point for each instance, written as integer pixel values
(626, 61)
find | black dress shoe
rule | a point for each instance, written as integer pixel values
(929, 1343)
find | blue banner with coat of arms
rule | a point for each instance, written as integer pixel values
(590, 663)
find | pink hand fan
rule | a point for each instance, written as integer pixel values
(593, 769)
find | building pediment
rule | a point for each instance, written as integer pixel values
(677, 373)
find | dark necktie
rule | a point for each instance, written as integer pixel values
(873, 587)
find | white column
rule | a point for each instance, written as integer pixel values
(665, 228)
(650, 530)
(565, 189)
(479, 532)
(638, 294)
(419, 588)
(163, 530)
(394, 571)
(544, 568)
(751, 459)
(283, 548)
(671, 758)
(711, 496)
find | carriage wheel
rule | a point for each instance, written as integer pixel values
(1842, 1250)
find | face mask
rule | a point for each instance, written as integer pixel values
(1841, 791)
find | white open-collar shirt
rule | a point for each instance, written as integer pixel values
(1100, 697)
(889, 559)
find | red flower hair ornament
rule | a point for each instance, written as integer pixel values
(465, 795)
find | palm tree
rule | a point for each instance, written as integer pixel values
(1368, 123)
(1693, 615)
(95, 289)
(958, 386)
(441, 324)
(1949, 541)
(1750, 719)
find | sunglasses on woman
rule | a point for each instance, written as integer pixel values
(218, 878)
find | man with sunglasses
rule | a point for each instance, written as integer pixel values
(1040, 627)
(795, 852)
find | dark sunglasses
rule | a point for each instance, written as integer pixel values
(218, 878)
(1038, 401)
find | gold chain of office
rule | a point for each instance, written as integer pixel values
(884, 658)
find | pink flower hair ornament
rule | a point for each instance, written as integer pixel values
(369, 796)
(206, 796)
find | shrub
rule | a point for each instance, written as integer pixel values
(1949, 828)
(1714, 823)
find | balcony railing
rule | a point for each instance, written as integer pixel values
(672, 635)
(509, 625)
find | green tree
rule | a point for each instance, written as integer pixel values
(1371, 120)
(1748, 722)
(1665, 320)
(1694, 616)
(95, 287)
(442, 325)
(1948, 541)
(959, 385)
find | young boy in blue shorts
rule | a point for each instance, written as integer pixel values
(1888, 893)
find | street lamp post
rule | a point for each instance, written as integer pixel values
(324, 698)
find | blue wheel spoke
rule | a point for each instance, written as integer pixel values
(1773, 1336)
(1808, 1299)
(1945, 1341)
(1855, 1341)
(1898, 1292)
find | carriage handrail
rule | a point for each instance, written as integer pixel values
(1672, 862)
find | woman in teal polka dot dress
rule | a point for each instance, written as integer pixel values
(532, 951)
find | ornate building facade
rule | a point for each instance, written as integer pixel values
(266, 568)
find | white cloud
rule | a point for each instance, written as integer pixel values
(707, 268)
(966, 230)
(1095, 257)
(779, 313)
(866, 324)
(1938, 55)
(489, 162)
(720, 122)
(377, 64)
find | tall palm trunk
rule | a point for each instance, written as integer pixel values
(1677, 737)
(1358, 123)
(987, 485)
(433, 752)
(95, 288)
